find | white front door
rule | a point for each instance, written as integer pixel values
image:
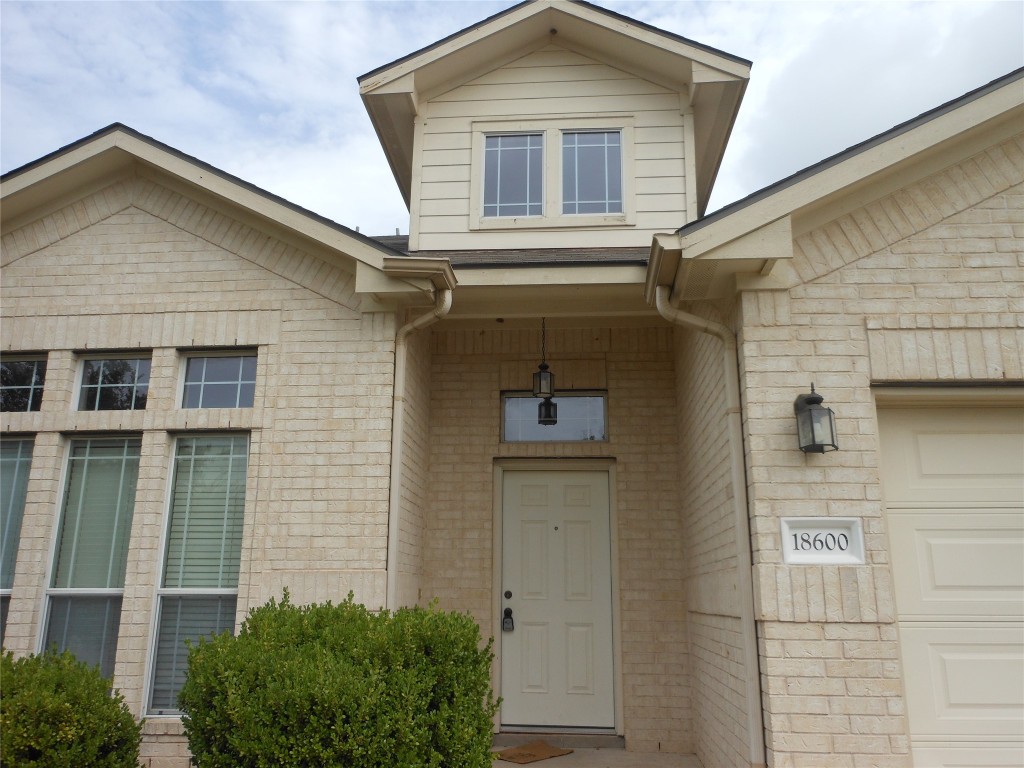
(557, 662)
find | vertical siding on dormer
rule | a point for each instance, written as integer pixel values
(547, 83)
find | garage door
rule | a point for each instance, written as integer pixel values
(953, 483)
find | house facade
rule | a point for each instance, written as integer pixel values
(211, 395)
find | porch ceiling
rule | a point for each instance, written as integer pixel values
(614, 291)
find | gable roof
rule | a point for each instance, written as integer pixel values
(117, 148)
(714, 81)
(702, 258)
(59, 178)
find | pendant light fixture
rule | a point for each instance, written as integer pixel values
(544, 383)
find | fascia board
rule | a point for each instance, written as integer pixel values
(854, 170)
(666, 250)
(577, 23)
(438, 271)
(460, 40)
(226, 189)
(64, 162)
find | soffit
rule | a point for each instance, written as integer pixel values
(550, 291)
(713, 81)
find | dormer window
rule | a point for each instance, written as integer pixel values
(591, 172)
(514, 175)
(552, 173)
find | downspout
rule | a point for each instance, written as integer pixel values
(442, 305)
(730, 365)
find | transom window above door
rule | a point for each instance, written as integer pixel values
(548, 173)
(581, 417)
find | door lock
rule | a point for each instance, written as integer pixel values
(507, 624)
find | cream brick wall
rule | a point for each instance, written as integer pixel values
(470, 369)
(137, 266)
(415, 470)
(924, 285)
(709, 537)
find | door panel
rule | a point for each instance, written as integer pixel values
(953, 480)
(557, 662)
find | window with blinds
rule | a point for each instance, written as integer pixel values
(199, 586)
(87, 580)
(15, 463)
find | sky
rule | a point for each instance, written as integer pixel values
(267, 90)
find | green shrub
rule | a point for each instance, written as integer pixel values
(56, 711)
(339, 685)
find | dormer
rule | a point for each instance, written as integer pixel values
(555, 124)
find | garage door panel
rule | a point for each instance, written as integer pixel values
(968, 680)
(959, 563)
(953, 484)
(952, 755)
(971, 455)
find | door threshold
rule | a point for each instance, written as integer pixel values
(574, 738)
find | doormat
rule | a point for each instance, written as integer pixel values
(531, 753)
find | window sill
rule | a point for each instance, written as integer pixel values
(583, 221)
(163, 725)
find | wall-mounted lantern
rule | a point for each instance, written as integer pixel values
(544, 383)
(815, 424)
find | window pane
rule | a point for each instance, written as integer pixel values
(114, 385)
(92, 546)
(21, 384)
(86, 626)
(579, 418)
(513, 175)
(181, 619)
(15, 462)
(5, 606)
(591, 172)
(204, 542)
(220, 382)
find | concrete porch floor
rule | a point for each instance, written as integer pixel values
(611, 758)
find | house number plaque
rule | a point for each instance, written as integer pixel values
(822, 541)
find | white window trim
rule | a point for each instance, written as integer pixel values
(160, 591)
(81, 357)
(552, 130)
(184, 355)
(14, 357)
(49, 592)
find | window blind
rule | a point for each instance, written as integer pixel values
(92, 548)
(15, 463)
(204, 541)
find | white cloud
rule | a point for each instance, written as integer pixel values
(267, 90)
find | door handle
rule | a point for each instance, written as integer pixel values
(507, 624)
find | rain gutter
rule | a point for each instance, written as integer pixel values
(442, 305)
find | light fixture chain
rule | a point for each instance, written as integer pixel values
(543, 340)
